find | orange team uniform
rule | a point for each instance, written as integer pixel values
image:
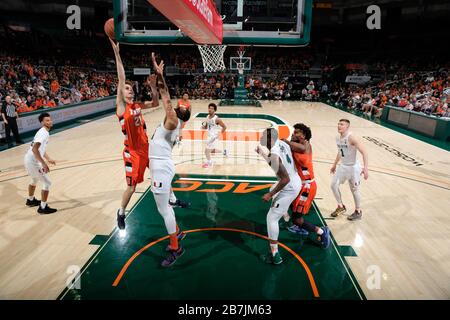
(303, 202)
(187, 106)
(135, 153)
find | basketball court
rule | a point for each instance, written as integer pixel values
(407, 239)
(399, 250)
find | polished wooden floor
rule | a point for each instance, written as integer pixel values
(403, 239)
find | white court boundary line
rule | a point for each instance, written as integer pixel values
(339, 255)
(78, 277)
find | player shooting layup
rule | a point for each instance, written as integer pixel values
(135, 152)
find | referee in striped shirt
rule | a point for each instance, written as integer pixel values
(9, 115)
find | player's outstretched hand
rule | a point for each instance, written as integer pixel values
(51, 161)
(151, 80)
(164, 95)
(159, 68)
(114, 45)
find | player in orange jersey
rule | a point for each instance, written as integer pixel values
(186, 104)
(135, 153)
(302, 154)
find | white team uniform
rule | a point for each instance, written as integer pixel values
(283, 199)
(162, 167)
(32, 165)
(213, 131)
(350, 168)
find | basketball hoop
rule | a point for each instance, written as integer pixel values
(241, 51)
(212, 56)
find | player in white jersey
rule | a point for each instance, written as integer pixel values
(36, 166)
(350, 169)
(162, 167)
(283, 192)
(215, 127)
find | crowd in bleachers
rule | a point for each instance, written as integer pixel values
(35, 84)
(427, 93)
(37, 81)
(218, 86)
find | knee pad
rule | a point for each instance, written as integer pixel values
(354, 188)
(34, 182)
(46, 183)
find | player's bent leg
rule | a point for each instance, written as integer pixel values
(43, 207)
(354, 188)
(126, 196)
(208, 162)
(273, 231)
(166, 211)
(279, 207)
(31, 200)
(335, 183)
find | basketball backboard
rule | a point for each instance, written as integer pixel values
(245, 22)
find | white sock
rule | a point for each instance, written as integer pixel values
(320, 231)
(274, 248)
(122, 211)
(31, 198)
(43, 204)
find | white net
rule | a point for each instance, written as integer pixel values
(212, 56)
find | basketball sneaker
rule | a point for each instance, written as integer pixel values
(46, 210)
(298, 230)
(207, 165)
(357, 215)
(179, 204)
(120, 220)
(181, 235)
(33, 203)
(325, 238)
(338, 211)
(172, 257)
(272, 259)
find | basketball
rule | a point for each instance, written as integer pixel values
(109, 28)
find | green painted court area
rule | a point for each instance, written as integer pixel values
(222, 262)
